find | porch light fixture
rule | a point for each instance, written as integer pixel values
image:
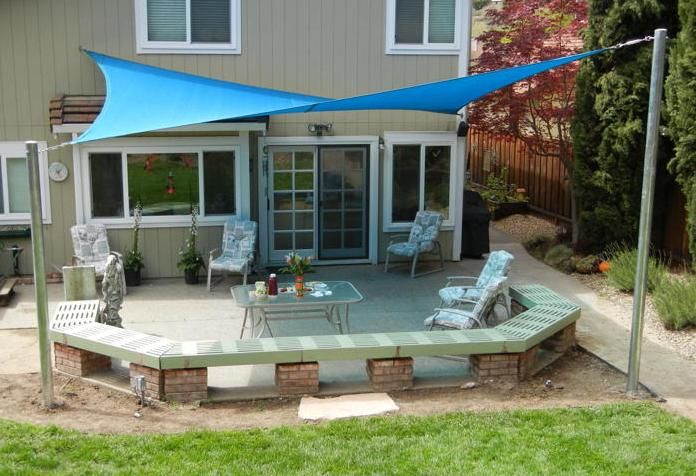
(320, 128)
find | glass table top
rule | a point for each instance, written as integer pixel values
(319, 293)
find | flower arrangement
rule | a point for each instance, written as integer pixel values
(296, 264)
(190, 260)
(134, 260)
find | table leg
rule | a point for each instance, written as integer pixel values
(347, 321)
(336, 321)
(246, 315)
(265, 324)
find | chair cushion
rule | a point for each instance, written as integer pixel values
(229, 263)
(497, 266)
(456, 320)
(402, 249)
(452, 294)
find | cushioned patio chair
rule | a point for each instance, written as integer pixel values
(91, 248)
(477, 317)
(422, 239)
(238, 248)
(497, 266)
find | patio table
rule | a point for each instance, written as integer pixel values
(323, 302)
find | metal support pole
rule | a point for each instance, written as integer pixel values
(37, 244)
(646, 208)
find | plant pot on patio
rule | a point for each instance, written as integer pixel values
(191, 276)
(133, 277)
(505, 209)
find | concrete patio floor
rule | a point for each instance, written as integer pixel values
(392, 302)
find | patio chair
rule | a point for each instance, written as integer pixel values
(422, 239)
(238, 248)
(91, 248)
(497, 266)
(478, 317)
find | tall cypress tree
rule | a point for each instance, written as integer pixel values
(681, 104)
(609, 126)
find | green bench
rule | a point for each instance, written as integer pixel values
(507, 351)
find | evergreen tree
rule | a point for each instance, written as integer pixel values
(681, 104)
(609, 125)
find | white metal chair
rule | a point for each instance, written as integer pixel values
(478, 317)
(238, 248)
(497, 266)
(422, 239)
(91, 248)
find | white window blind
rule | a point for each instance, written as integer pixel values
(409, 21)
(441, 21)
(166, 20)
(210, 21)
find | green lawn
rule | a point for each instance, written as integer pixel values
(636, 438)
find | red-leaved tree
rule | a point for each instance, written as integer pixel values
(537, 110)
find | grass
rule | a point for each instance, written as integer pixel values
(629, 438)
(622, 270)
(675, 302)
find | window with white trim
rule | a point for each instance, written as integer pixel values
(166, 180)
(423, 26)
(419, 173)
(188, 26)
(14, 184)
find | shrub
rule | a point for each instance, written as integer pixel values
(539, 245)
(622, 271)
(586, 264)
(675, 302)
(560, 257)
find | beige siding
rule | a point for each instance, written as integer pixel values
(324, 47)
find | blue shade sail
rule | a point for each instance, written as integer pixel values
(142, 98)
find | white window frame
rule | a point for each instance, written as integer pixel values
(144, 46)
(237, 144)
(424, 48)
(423, 139)
(16, 150)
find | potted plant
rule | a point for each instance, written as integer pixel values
(503, 199)
(297, 265)
(134, 261)
(190, 260)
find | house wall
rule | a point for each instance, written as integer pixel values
(321, 47)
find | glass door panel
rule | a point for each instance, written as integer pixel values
(292, 204)
(343, 231)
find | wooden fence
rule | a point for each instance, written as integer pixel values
(548, 188)
(545, 178)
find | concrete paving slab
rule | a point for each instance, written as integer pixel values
(345, 406)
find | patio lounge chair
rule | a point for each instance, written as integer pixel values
(422, 239)
(238, 247)
(478, 317)
(91, 248)
(497, 266)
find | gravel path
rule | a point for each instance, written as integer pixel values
(524, 227)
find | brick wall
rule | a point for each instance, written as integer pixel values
(78, 362)
(297, 378)
(390, 374)
(181, 385)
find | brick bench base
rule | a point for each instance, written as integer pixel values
(390, 374)
(78, 362)
(181, 385)
(297, 378)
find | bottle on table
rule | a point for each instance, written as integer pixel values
(273, 285)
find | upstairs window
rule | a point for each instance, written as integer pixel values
(423, 26)
(188, 26)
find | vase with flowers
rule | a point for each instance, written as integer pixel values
(134, 261)
(190, 260)
(297, 265)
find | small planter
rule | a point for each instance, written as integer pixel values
(133, 277)
(505, 209)
(191, 276)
